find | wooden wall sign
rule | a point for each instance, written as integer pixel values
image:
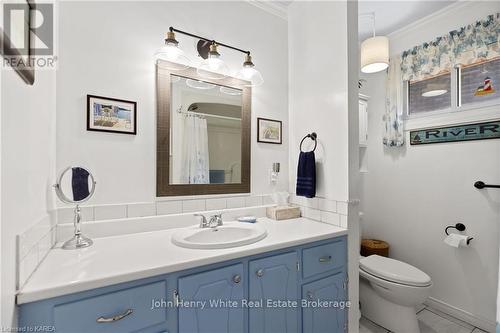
(479, 131)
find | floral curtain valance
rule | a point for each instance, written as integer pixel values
(467, 45)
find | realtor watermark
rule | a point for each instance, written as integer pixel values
(162, 303)
(29, 35)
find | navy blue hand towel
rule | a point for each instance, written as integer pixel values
(306, 175)
(80, 183)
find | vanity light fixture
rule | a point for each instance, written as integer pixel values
(170, 52)
(212, 67)
(374, 52)
(249, 73)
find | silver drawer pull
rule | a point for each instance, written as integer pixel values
(325, 259)
(237, 278)
(115, 318)
(259, 273)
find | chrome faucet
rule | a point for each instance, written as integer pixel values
(213, 222)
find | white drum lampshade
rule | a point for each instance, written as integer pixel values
(375, 54)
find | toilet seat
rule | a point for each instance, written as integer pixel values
(394, 271)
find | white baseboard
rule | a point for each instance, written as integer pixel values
(477, 321)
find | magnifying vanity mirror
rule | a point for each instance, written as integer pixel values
(76, 185)
(203, 134)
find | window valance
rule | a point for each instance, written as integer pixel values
(467, 45)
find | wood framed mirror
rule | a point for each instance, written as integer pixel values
(203, 134)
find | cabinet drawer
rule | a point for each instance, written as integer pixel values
(323, 258)
(122, 311)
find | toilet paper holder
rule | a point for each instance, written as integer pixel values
(459, 227)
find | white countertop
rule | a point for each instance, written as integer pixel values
(124, 258)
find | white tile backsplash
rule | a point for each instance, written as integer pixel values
(168, 207)
(327, 205)
(254, 200)
(311, 213)
(330, 218)
(306, 202)
(28, 265)
(189, 206)
(109, 212)
(33, 245)
(267, 200)
(216, 203)
(235, 202)
(343, 221)
(141, 209)
(342, 207)
(67, 215)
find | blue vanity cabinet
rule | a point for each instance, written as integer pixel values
(305, 273)
(316, 316)
(124, 308)
(198, 315)
(273, 278)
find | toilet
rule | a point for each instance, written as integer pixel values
(389, 292)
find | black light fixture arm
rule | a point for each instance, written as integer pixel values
(172, 29)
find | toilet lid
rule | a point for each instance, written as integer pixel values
(394, 271)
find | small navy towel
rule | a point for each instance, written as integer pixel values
(306, 175)
(80, 183)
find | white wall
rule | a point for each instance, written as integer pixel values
(411, 194)
(318, 91)
(27, 168)
(323, 75)
(107, 48)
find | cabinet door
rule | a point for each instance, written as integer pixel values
(321, 317)
(224, 284)
(275, 279)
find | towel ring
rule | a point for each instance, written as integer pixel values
(313, 136)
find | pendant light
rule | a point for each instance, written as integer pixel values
(249, 73)
(213, 67)
(374, 53)
(434, 89)
(175, 58)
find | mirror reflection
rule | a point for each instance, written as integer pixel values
(205, 130)
(75, 185)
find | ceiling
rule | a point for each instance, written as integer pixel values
(390, 15)
(393, 15)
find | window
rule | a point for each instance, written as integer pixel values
(430, 94)
(463, 89)
(479, 82)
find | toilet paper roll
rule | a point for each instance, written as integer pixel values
(456, 240)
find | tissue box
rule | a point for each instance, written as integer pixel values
(282, 212)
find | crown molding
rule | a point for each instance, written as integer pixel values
(271, 7)
(443, 12)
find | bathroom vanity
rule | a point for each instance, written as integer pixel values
(273, 285)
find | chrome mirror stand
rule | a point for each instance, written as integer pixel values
(78, 241)
(84, 178)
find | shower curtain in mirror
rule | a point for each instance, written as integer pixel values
(195, 161)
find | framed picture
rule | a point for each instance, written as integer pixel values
(269, 131)
(106, 114)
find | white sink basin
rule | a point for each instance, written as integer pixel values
(231, 234)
